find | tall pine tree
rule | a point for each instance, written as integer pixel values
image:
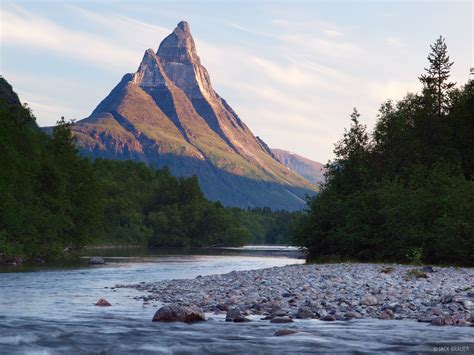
(435, 81)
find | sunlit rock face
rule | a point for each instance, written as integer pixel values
(168, 114)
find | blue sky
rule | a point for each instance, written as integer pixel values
(291, 70)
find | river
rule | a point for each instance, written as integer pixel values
(50, 310)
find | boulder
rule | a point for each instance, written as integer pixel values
(103, 303)
(425, 318)
(96, 260)
(369, 300)
(448, 320)
(179, 313)
(329, 318)
(304, 313)
(352, 314)
(438, 321)
(236, 315)
(386, 314)
(283, 332)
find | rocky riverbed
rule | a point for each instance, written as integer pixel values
(328, 292)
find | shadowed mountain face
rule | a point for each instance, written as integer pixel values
(167, 114)
(309, 169)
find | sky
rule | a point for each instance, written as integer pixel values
(292, 71)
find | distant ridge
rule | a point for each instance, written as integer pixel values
(312, 171)
(167, 114)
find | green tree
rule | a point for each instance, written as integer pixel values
(435, 80)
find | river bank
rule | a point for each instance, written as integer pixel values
(329, 292)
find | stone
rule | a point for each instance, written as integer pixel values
(369, 301)
(446, 299)
(103, 303)
(304, 313)
(467, 304)
(425, 318)
(386, 314)
(236, 315)
(283, 332)
(329, 318)
(351, 315)
(427, 269)
(96, 260)
(438, 321)
(279, 313)
(448, 320)
(284, 319)
(179, 313)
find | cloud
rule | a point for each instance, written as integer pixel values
(320, 46)
(125, 30)
(22, 28)
(392, 89)
(288, 75)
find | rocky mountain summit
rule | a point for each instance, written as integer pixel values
(167, 114)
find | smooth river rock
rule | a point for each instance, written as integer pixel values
(103, 303)
(235, 315)
(179, 313)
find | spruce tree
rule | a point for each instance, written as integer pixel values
(435, 81)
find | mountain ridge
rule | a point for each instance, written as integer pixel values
(311, 170)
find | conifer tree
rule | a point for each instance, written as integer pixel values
(435, 81)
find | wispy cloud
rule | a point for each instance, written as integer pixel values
(23, 28)
(393, 89)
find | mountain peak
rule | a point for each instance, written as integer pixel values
(167, 114)
(183, 27)
(179, 46)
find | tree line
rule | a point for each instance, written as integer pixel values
(53, 199)
(405, 191)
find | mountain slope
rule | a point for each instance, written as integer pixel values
(309, 169)
(168, 114)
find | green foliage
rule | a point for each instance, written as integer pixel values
(406, 191)
(47, 191)
(415, 256)
(268, 227)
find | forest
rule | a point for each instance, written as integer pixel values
(405, 191)
(54, 200)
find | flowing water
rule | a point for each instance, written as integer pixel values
(51, 310)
